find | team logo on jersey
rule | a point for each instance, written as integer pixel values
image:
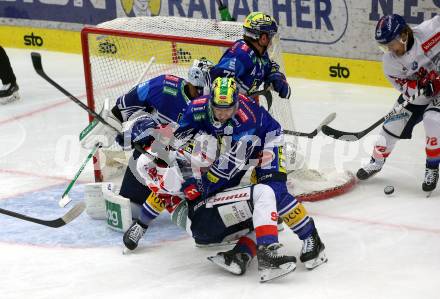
(414, 65)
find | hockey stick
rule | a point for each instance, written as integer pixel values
(142, 76)
(224, 12)
(68, 217)
(268, 95)
(354, 136)
(36, 61)
(315, 132)
(65, 199)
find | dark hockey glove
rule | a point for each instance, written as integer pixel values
(192, 189)
(279, 83)
(430, 85)
(142, 132)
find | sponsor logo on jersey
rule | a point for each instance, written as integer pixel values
(432, 42)
(173, 84)
(33, 40)
(199, 101)
(155, 203)
(170, 90)
(226, 197)
(250, 111)
(295, 215)
(243, 117)
(171, 78)
(212, 178)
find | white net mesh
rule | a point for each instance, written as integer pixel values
(117, 56)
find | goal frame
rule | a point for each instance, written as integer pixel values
(159, 37)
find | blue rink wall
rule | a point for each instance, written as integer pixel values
(81, 232)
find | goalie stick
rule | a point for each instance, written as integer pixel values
(354, 136)
(65, 199)
(68, 217)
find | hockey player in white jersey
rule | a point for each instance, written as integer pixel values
(412, 64)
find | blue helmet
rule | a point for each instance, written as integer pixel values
(388, 28)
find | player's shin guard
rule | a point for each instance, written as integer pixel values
(431, 123)
(238, 258)
(295, 216)
(152, 207)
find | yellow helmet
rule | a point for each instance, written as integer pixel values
(224, 93)
(257, 23)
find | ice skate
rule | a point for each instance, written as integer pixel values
(9, 93)
(370, 169)
(312, 253)
(430, 182)
(134, 234)
(273, 264)
(232, 261)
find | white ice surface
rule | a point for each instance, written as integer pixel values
(378, 246)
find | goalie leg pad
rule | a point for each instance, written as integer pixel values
(94, 199)
(118, 209)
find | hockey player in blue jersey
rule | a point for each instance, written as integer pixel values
(251, 138)
(207, 225)
(158, 101)
(248, 60)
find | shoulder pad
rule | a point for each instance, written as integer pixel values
(241, 46)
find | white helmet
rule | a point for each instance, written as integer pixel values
(198, 73)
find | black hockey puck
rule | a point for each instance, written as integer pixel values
(388, 190)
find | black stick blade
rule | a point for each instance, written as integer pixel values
(36, 61)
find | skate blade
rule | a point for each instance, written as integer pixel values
(428, 194)
(220, 261)
(126, 251)
(14, 97)
(312, 264)
(271, 274)
(216, 244)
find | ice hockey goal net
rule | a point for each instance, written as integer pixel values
(116, 54)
